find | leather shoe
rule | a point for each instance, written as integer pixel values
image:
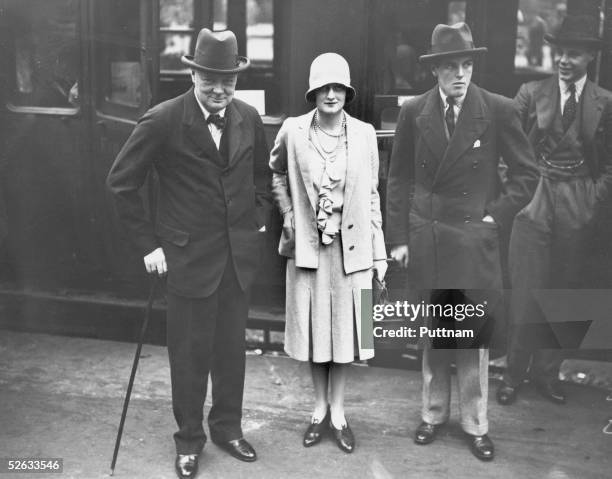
(344, 437)
(506, 394)
(186, 465)
(482, 447)
(314, 433)
(425, 433)
(240, 449)
(552, 391)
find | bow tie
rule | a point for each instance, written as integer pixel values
(216, 120)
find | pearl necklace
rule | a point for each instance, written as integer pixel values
(317, 129)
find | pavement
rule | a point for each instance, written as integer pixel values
(61, 397)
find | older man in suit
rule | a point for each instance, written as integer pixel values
(568, 120)
(446, 206)
(207, 149)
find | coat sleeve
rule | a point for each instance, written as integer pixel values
(378, 240)
(261, 173)
(129, 172)
(522, 173)
(603, 186)
(521, 101)
(278, 165)
(400, 183)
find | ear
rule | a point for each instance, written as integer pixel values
(193, 74)
(434, 70)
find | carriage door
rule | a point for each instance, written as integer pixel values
(44, 143)
(122, 70)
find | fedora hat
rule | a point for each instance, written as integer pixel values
(579, 30)
(326, 69)
(451, 40)
(216, 52)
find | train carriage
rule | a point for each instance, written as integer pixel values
(75, 75)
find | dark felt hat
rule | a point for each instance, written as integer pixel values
(216, 52)
(578, 30)
(450, 41)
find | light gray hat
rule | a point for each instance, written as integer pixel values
(326, 69)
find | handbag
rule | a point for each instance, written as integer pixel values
(380, 295)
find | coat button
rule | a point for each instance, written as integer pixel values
(351, 248)
(467, 217)
(465, 193)
(350, 226)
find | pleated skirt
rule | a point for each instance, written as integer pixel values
(323, 310)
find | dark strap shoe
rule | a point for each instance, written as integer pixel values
(344, 437)
(425, 433)
(186, 465)
(482, 447)
(240, 449)
(315, 431)
(552, 391)
(506, 394)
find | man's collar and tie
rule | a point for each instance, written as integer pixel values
(570, 95)
(451, 107)
(216, 122)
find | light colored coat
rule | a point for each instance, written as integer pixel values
(293, 188)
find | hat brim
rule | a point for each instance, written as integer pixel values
(582, 42)
(243, 64)
(350, 93)
(455, 53)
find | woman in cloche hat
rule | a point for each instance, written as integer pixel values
(325, 178)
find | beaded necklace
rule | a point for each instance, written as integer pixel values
(317, 129)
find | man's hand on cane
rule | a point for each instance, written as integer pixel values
(155, 262)
(400, 255)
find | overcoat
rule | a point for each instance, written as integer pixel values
(439, 191)
(538, 102)
(207, 208)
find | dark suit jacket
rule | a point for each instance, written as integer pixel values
(538, 101)
(438, 193)
(205, 209)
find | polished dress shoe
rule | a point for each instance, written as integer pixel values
(240, 449)
(344, 437)
(551, 390)
(186, 465)
(482, 447)
(315, 431)
(425, 433)
(506, 394)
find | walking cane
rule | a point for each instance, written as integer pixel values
(128, 393)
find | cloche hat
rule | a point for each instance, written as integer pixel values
(329, 68)
(216, 52)
(451, 40)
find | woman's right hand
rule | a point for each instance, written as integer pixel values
(288, 225)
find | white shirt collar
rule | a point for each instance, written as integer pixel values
(458, 100)
(563, 86)
(206, 113)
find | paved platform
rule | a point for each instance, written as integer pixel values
(62, 397)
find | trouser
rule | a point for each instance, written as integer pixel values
(472, 384)
(548, 250)
(207, 335)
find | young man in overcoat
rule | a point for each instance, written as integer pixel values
(446, 206)
(568, 120)
(210, 154)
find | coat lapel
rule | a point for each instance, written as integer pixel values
(591, 109)
(196, 127)
(547, 100)
(431, 127)
(304, 148)
(355, 150)
(234, 130)
(471, 124)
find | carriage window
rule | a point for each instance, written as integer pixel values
(260, 32)
(118, 58)
(177, 27)
(44, 52)
(456, 12)
(220, 15)
(534, 20)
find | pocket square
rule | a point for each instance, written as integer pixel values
(476, 144)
